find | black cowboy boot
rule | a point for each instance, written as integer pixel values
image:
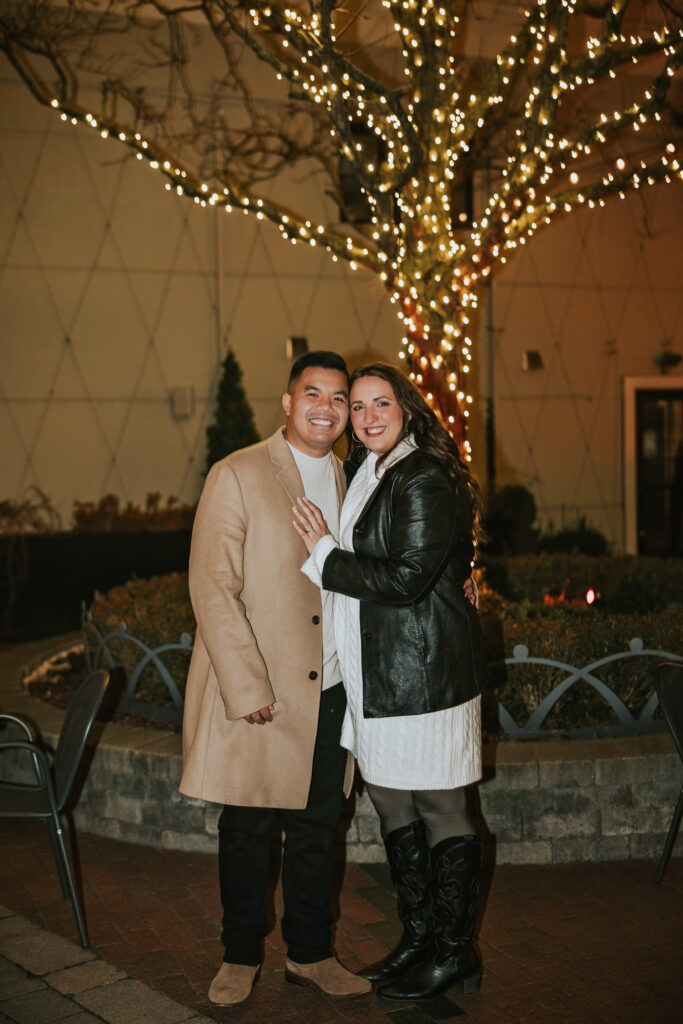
(455, 871)
(408, 857)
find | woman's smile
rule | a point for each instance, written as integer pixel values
(376, 416)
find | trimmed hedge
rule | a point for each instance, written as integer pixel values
(158, 611)
(577, 637)
(625, 583)
(109, 515)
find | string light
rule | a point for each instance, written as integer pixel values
(432, 265)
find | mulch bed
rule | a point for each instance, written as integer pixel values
(57, 679)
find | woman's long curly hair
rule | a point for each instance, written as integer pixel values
(430, 436)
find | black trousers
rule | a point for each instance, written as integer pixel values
(307, 856)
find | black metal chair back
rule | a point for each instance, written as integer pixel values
(79, 720)
(47, 795)
(669, 686)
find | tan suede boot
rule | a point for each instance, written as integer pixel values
(329, 976)
(233, 984)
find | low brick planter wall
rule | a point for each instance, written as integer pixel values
(540, 803)
(558, 801)
(546, 802)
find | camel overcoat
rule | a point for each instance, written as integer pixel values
(259, 636)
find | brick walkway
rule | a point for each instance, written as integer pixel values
(582, 944)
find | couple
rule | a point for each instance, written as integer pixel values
(268, 722)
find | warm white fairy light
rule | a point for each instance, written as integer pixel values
(431, 267)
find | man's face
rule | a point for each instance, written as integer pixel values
(317, 408)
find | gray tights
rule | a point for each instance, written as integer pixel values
(444, 811)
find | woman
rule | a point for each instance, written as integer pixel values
(412, 656)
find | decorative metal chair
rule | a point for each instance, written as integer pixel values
(48, 795)
(669, 685)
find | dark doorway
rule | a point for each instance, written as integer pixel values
(659, 471)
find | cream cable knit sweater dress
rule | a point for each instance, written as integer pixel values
(440, 750)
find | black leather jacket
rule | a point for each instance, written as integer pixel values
(421, 640)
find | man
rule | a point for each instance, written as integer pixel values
(264, 700)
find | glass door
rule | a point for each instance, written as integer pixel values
(653, 445)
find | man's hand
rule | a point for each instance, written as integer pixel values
(260, 717)
(469, 589)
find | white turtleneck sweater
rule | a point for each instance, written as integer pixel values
(440, 750)
(320, 486)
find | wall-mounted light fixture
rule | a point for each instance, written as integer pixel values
(532, 360)
(182, 402)
(296, 346)
(665, 359)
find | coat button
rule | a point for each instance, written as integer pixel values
(315, 620)
(365, 636)
(312, 675)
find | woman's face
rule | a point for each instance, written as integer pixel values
(376, 416)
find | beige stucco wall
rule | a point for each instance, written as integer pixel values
(113, 292)
(597, 295)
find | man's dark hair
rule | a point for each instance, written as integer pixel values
(325, 360)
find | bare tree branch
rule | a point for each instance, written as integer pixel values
(222, 97)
